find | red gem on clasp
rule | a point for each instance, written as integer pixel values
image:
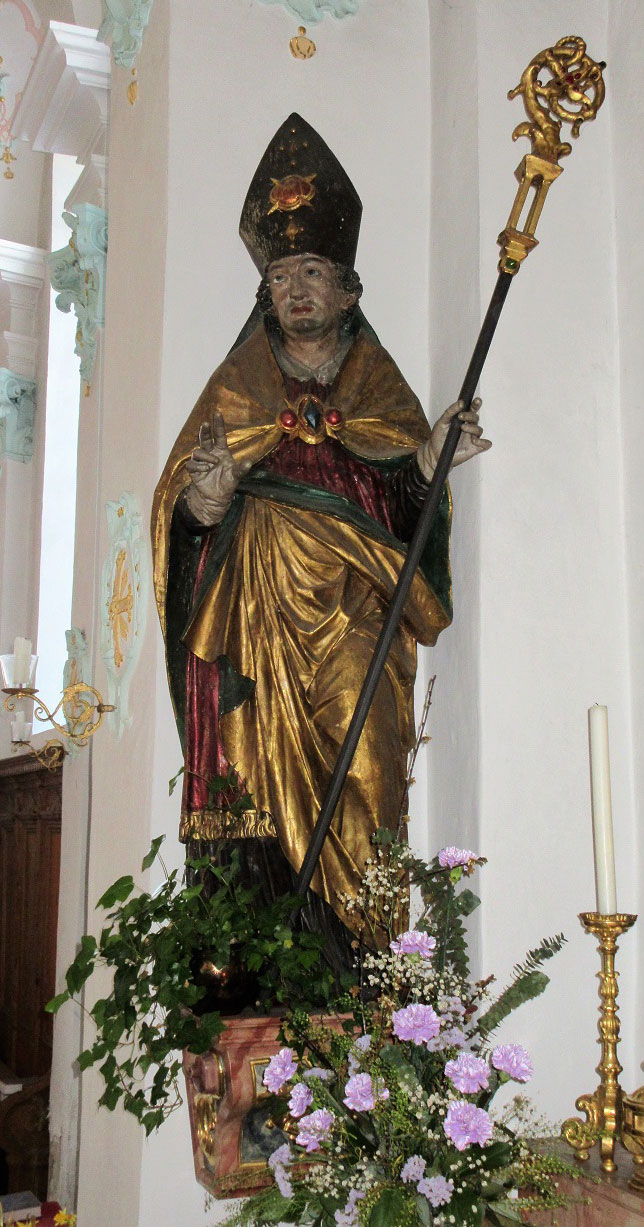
(288, 419)
(334, 417)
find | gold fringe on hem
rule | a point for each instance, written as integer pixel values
(221, 824)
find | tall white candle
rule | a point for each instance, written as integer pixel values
(602, 811)
(21, 661)
(18, 727)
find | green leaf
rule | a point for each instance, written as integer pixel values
(53, 1006)
(389, 1208)
(86, 1058)
(172, 784)
(504, 1214)
(88, 947)
(382, 838)
(192, 892)
(76, 975)
(497, 1155)
(422, 1210)
(466, 902)
(151, 856)
(403, 1071)
(110, 1097)
(117, 892)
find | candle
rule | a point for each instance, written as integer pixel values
(21, 661)
(18, 727)
(602, 811)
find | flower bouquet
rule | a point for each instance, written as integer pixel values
(388, 1113)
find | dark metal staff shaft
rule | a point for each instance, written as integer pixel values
(401, 591)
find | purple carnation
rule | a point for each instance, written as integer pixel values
(451, 858)
(314, 1129)
(360, 1094)
(362, 1045)
(279, 1070)
(283, 1183)
(465, 1124)
(414, 942)
(317, 1072)
(276, 1163)
(513, 1060)
(413, 1170)
(349, 1216)
(300, 1100)
(469, 1074)
(280, 1156)
(450, 1037)
(437, 1190)
(418, 1023)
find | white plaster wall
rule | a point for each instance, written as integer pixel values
(625, 36)
(121, 454)
(24, 213)
(553, 594)
(452, 757)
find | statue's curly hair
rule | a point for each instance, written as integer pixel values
(349, 281)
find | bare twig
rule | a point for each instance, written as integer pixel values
(421, 740)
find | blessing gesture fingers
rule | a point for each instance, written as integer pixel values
(214, 474)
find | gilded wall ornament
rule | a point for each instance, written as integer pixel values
(75, 670)
(17, 409)
(77, 272)
(302, 47)
(314, 10)
(124, 600)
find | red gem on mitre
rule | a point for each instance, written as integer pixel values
(288, 419)
(334, 417)
(290, 193)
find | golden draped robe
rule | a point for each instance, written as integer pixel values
(289, 598)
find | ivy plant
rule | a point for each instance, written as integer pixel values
(155, 945)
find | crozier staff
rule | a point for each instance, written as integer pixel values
(280, 526)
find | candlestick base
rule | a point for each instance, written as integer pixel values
(603, 1108)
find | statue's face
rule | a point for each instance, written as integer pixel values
(307, 295)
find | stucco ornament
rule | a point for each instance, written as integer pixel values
(314, 10)
(124, 602)
(17, 409)
(77, 272)
(124, 23)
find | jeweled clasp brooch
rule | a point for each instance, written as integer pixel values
(310, 419)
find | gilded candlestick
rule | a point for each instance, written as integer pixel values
(603, 1108)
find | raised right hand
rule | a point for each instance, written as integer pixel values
(214, 475)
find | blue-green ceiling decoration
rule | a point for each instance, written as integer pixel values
(314, 10)
(124, 24)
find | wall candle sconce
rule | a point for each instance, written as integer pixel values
(82, 716)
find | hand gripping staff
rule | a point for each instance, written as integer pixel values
(560, 85)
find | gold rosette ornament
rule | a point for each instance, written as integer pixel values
(291, 193)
